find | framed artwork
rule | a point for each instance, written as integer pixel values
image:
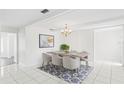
(46, 41)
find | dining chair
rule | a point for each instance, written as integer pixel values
(56, 60)
(46, 58)
(72, 63)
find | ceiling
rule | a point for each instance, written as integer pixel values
(79, 18)
(73, 17)
(22, 17)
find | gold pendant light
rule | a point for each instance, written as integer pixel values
(66, 31)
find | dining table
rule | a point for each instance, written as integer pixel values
(82, 55)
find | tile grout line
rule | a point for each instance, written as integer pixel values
(111, 75)
(16, 80)
(97, 73)
(33, 77)
(29, 76)
(47, 75)
(37, 72)
(51, 77)
(13, 78)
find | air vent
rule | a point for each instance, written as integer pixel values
(45, 11)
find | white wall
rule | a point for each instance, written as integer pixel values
(109, 44)
(21, 46)
(29, 51)
(82, 41)
(8, 29)
(13, 45)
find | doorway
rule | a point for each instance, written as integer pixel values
(8, 48)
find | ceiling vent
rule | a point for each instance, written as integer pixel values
(44, 11)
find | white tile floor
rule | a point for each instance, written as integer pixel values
(15, 74)
(103, 73)
(106, 73)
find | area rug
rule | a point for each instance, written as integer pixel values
(70, 76)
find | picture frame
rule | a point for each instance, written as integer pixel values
(46, 41)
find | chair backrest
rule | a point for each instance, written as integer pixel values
(56, 60)
(71, 62)
(46, 58)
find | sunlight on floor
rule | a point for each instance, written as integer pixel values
(109, 63)
(2, 72)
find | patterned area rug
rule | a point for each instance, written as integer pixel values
(70, 76)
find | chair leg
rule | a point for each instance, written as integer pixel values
(50, 62)
(77, 70)
(43, 64)
(87, 64)
(55, 66)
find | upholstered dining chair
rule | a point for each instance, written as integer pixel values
(72, 63)
(56, 60)
(46, 58)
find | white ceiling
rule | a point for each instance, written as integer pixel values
(22, 17)
(76, 17)
(85, 17)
